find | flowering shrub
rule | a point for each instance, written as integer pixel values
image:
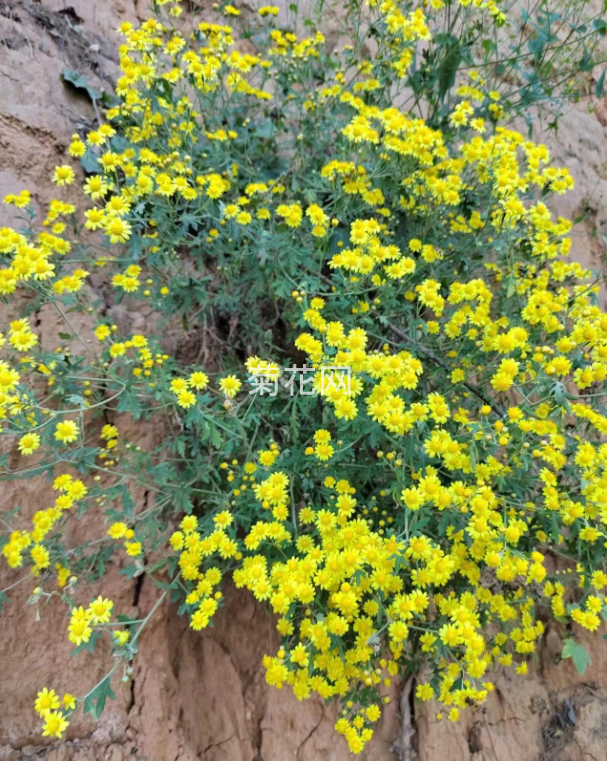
(435, 486)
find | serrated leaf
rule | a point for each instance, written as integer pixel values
(95, 702)
(578, 654)
(76, 400)
(89, 646)
(131, 571)
(128, 503)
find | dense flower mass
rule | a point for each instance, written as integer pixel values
(409, 468)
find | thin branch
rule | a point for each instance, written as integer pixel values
(431, 356)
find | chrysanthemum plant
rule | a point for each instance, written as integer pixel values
(386, 421)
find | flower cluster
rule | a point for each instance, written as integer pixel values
(71, 491)
(440, 491)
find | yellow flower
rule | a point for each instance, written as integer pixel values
(322, 436)
(223, 519)
(47, 701)
(102, 332)
(77, 147)
(230, 385)
(133, 549)
(323, 452)
(63, 175)
(198, 380)
(118, 230)
(117, 530)
(55, 724)
(100, 610)
(189, 523)
(23, 340)
(96, 187)
(95, 219)
(186, 399)
(424, 692)
(109, 432)
(121, 637)
(29, 443)
(66, 431)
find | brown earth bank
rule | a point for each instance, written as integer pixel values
(203, 695)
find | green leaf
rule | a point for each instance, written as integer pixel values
(88, 647)
(182, 502)
(265, 130)
(180, 446)
(127, 501)
(131, 571)
(600, 85)
(536, 46)
(4, 600)
(80, 83)
(578, 653)
(90, 162)
(95, 702)
(448, 69)
(586, 63)
(76, 400)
